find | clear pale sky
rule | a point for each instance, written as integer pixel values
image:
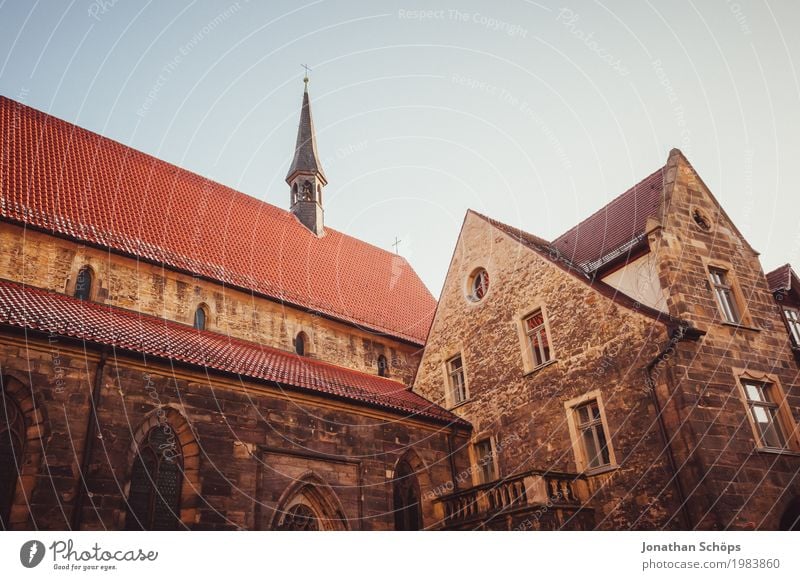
(535, 113)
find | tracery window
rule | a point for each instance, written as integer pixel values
(156, 479)
(299, 518)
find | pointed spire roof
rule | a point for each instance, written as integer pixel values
(306, 159)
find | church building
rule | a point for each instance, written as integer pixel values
(175, 354)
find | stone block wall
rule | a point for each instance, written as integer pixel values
(51, 263)
(244, 444)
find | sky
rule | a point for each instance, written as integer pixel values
(534, 113)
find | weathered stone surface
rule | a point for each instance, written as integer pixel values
(53, 264)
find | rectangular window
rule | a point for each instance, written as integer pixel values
(793, 320)
(484, 457)
(537, 338)
(764, 414)
(458, 386)
(592, 435)
(725, 295)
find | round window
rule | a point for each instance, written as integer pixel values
(701, 220)
(478, 285)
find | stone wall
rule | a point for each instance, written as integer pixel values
(52, 263)
(729, 483)
(245, 445)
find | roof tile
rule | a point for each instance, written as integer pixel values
(49, 312)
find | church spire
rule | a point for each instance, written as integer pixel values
(306, 178)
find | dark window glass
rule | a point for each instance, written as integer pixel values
(200, 318)
(83, 284)
(300, 344)
(383, 366)
(12, 437)
(156, 479)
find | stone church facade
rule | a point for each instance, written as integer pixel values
(177, 355)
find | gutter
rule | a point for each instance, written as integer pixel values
(682, 332)
(92, 426)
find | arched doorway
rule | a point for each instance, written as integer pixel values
(790, 520)
(407, 509)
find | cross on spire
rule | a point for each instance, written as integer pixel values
(307, 68)
(396, 243)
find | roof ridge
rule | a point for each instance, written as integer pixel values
(605, 206)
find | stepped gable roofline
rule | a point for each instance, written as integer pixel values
(546, 250)
(33, 309)
(70, 182)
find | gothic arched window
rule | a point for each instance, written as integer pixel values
(12, 439)
(83, 284)
(300, 343)
(299, 517)
(383, 366)
(200, 318)
(407, 512)
(155, 492)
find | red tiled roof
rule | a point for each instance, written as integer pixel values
(780, 278)
(49, 312)
(61, 178)
(615, 226)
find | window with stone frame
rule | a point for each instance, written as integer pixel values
(479, 285)
(537, 340)
(83, 284)
(764, 409)
(725, 295)
(200, 317)
(793, 321)
(383, 366)
(456, 380)
(485, 460)
(592, 435)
